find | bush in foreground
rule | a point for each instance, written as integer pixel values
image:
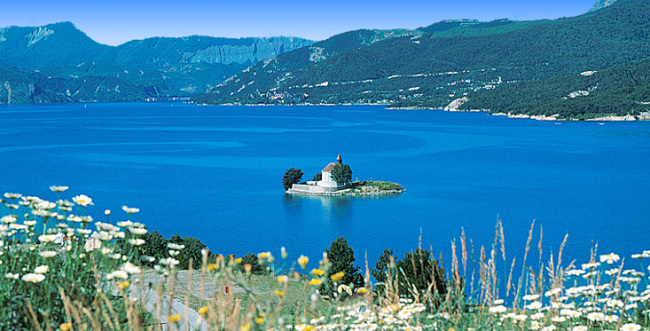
(61, 274)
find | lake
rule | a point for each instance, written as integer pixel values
(215, 173)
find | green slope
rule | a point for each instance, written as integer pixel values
(456, 59)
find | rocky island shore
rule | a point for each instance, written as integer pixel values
(354, 189)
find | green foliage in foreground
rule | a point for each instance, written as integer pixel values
(416, 273)
(90, 280)
(341, 258)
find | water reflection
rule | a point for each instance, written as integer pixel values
(331, 208)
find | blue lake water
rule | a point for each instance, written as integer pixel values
(214, 172)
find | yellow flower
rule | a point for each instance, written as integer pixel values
(318, 272)
(238, 260)
(361, 290)
(247, 268)
(65, 326)
(278, 293)
(245, 327)
(302, 260)
(203, 310)
(315, 281)
(174, 318)
(123, 285)
(212, 266)
(337, 276)
(264, 255)
(259, 320)
(283, 279)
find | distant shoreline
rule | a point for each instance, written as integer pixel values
(645, 116)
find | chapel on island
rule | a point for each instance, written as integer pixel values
(325, 185)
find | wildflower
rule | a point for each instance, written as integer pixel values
(65, 326)
(549, 328)
(302, 261)
(630, 327)
(593, 265)
(175, 246)
(121, 274)
(344, 288)
(41, 269)
(558, 319)
(282, 279)
(553, 292)
(58, 189)
(34, 278)
(260, 320)
(531, 297)
(107, 212)
(537, 316)
(595, 317)
(580, 328)
(130, 268)
(123, 285)
(245, 327)
(47, 254)
(335, 277)
(247, 268)
(283, 253)
(361, 290)
(203, 310)
(169, 261)
(534, 305)
(264, 255)
(212, 266)
(174, 318)
(138, 231)
(130, 210)
(497, 309)
(279, 293)
(318, 272)
(13, 196)
(137, 242)
(83, 200)
(498, 302)
(8, 219)
(610, 318)
(12, 276)
(315, 281)
(609, 258)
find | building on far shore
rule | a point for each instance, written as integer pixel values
(325, 185)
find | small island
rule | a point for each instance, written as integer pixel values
(335, 180)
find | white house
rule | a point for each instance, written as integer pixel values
(327, 180)
(323, 186)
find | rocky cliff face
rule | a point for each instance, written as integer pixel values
(256, 50)
(602, 4)
(59, 63)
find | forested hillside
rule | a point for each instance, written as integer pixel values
(464, 59)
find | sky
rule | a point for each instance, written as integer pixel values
(114, 22)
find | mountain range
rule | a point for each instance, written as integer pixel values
(59, 63)
(500, 66)
(592, 65)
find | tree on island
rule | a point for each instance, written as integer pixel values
(342, 174)
(341, 258)
(291, 176)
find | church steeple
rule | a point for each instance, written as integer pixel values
(339, 159)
